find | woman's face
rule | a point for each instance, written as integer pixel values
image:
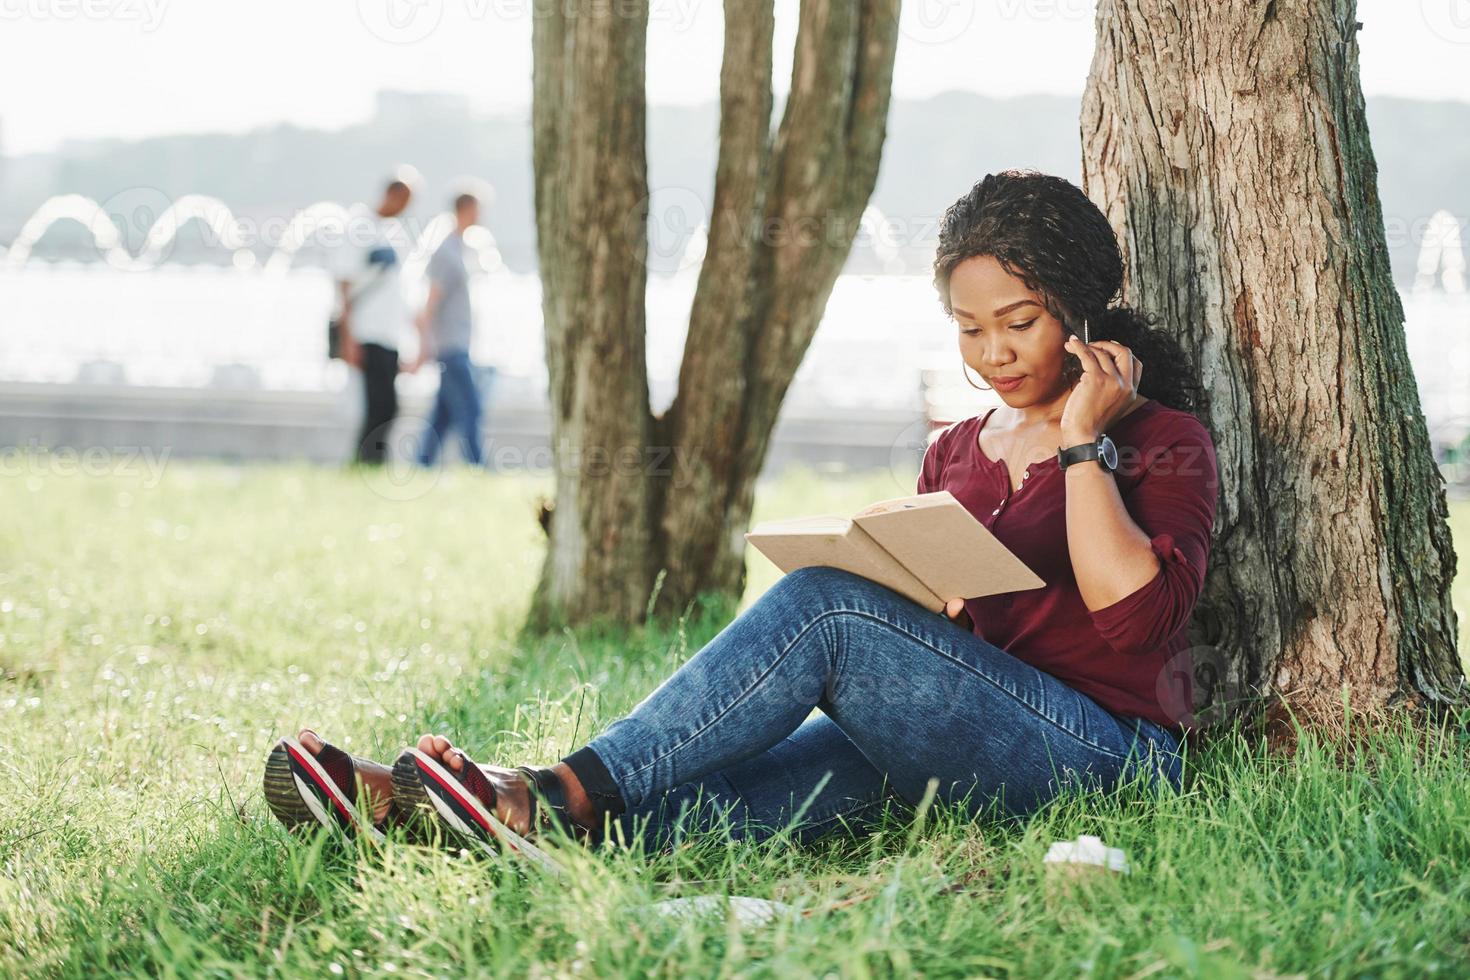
(1006, 333)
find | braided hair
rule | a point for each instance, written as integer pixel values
(1044, 231)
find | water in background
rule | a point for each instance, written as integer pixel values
(138, 317)
(178, 325)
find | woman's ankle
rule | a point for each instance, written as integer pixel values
(592, 794)
(579, 806)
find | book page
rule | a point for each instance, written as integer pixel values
(910, 502)
(797, 544)
(823, 523)
(945, 547)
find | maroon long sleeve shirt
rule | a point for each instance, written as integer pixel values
(1128, 656)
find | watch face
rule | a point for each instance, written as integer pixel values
(1108, 453)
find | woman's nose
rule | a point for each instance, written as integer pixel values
(999, 354)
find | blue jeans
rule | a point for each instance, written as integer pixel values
(903, 696)
(456, 407)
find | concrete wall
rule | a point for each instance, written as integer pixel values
(320, 427)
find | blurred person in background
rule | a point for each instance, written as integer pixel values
(373, 314)
(446, 328)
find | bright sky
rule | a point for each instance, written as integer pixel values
(88, 68)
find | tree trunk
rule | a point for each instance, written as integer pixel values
(591, 210)
(1229, 147)
(782, 226)
(784, 215)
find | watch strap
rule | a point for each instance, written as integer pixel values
(1079, 453)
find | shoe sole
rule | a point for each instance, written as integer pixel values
(423, 784)
(299, 791)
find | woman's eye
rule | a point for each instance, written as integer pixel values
(972, 331)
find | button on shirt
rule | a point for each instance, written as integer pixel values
(1125, 656)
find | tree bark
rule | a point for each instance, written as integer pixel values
(1228, 145)
(783, 218)
(783, 221)
(591, 190)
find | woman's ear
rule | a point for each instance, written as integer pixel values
(1071, 367)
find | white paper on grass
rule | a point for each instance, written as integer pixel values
(747, 911)
(1087, 849)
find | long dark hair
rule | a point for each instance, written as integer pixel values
(1044, 231)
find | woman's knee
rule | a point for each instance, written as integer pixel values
(821, 587)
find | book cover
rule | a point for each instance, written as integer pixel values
(926, 547)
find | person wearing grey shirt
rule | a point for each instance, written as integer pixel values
(445, 329)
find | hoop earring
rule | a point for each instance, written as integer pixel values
(965, 370)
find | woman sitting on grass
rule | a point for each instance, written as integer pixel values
(1001, 703)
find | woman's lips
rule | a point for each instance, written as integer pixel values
(1007, 384)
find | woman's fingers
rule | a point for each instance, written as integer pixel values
(1107, 357)
(1108, 365)
(1084, 353)
(1128, 365)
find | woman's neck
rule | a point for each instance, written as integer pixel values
(1042, 415)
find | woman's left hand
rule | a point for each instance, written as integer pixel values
(1108, 386)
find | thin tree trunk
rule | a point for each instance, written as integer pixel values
(591, 213)
(783, 219)
(782, 226)
(1228, 145)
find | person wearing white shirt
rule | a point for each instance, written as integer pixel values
(374, 315)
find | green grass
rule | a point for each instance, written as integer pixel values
(156, 638)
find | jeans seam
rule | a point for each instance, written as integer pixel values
(827, 613)
(780, 824)
(840, 814)
(732, 705)
(993, 682)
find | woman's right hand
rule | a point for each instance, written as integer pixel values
(956, 611)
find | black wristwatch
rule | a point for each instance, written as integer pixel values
(1102, 450)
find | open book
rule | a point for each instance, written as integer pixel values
(926, 547)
